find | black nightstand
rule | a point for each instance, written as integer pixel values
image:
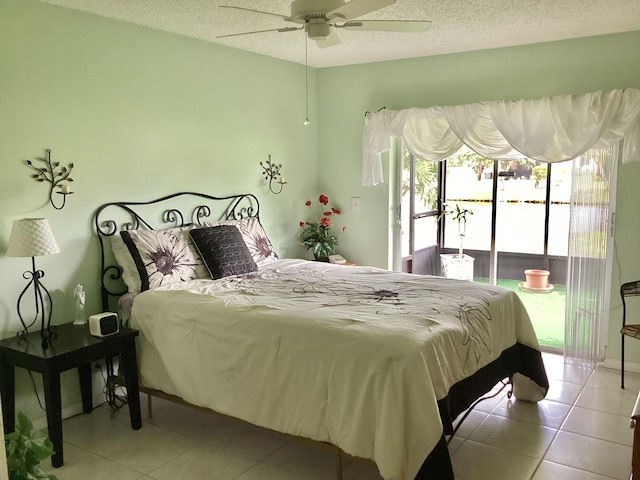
(74, 347)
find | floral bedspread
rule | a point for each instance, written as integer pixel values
(354, 356)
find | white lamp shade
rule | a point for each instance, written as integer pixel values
(31, 237)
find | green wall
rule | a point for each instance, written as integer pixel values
(533, 71)
(143, 113)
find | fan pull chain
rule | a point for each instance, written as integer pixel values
(306, 122)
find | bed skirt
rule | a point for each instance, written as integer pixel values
(518, 359)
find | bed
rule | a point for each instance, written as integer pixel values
(377, 363)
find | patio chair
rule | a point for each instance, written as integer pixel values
(629, 289)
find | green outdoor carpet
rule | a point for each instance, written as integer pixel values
(547, 311)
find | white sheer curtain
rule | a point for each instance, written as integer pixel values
(550, 129)
(589, 253)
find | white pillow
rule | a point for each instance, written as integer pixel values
(164, 257)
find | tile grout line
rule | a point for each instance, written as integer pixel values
(573, 404)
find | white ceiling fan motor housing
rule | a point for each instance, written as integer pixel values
(308, 9)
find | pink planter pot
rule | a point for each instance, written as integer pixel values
(537, 278)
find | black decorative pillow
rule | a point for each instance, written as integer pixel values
(223, 250)
(123, 257)
(255, 237)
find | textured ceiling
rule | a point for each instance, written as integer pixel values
(458, 25)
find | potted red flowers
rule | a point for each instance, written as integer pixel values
(318, 236)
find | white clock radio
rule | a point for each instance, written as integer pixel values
(103, 324)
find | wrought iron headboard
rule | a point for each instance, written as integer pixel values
(184, 208)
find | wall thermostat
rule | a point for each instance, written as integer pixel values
(103, 324)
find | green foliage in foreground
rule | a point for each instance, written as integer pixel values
(26, 447)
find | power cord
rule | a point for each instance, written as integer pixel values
(112, 382)
(35, 389)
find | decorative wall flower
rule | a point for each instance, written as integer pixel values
(318, 236)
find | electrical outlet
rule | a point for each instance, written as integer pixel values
(115, 381)
(355, 204)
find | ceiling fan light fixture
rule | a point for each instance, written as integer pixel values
(318, 29)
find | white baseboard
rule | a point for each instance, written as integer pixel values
(41, 422)
(615, 365)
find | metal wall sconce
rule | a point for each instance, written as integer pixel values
(271, 173)
(54, 174)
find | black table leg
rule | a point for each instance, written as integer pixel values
(131, 382)
(73, 348)
(7, 391)
(84, 372)
(51, 381)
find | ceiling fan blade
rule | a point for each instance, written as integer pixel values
(285, 29)
(254, 11)
(332, 40)
(282, 17)
(357, 8)
(387, 25)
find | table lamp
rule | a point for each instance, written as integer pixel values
(32, 237)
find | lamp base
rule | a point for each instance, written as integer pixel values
(46, 330)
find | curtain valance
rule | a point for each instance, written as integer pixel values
(550, 129)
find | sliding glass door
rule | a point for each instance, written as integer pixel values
(420, 190)
(519, 221)
(526, 216)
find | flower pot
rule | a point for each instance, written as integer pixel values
(457, 266)
(537, 278)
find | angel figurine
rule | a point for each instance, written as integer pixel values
(80, 318)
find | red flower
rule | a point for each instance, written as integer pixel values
(317, 235)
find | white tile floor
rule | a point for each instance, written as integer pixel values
(580, 431)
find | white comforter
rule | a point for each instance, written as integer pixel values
(354, 356)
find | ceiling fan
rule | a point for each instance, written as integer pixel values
(319, 18)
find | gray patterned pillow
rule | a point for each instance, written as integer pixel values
(255, 238)
(223, 250)
(164, 257)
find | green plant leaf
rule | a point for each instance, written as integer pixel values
(25, 448)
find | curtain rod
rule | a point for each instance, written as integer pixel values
(367, 113)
